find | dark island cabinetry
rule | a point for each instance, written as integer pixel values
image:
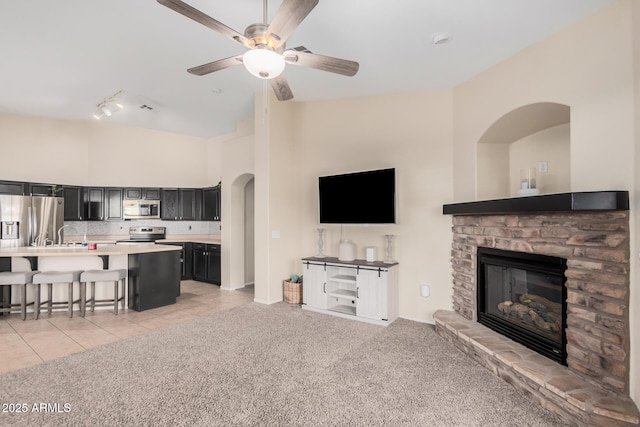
(154, 279)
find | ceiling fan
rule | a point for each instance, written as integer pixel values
(267, 54)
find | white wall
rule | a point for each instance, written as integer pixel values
(97, 153)
(410, 132)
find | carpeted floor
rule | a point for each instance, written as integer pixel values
(269, 365)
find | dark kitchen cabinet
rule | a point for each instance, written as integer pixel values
(151, 193)
(113, 204)
(206, 263)
(73, 203)
(94, 203)
(13, 188)
(179, 204)
(138, 193)
(44, 190)
(211, 204)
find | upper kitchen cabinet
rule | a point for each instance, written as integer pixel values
(142, 193)
(113, 204)
(211, 204)
(151, 193)
(94, 203)
(13, 188)
(73, 203)
(180, 204)
(44, 190)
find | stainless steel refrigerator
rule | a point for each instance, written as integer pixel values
(30, 220)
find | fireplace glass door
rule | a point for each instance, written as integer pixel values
(523, 297)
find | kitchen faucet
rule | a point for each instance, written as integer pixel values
(60, 235)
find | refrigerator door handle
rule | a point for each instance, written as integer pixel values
(32, 227)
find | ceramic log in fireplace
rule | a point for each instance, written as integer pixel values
(523, 297)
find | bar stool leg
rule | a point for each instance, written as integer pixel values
(23, 302)
(83, 298)
(93, 296)
(115, 297)
(123, 294)
(50, 295)
(70, 303)
(37, 302)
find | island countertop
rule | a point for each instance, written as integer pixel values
(38, 251)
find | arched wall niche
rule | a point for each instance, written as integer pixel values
(527, 137)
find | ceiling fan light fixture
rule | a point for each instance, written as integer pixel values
(263, 63)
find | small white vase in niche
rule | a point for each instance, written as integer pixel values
(320, 253)
(389, 257)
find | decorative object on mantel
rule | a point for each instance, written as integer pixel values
(320, 253)
(389, 258)
(528, 186)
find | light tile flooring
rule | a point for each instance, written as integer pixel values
(29, 342)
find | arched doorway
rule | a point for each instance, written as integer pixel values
(239, 229)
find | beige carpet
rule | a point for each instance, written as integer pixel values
(269, 365)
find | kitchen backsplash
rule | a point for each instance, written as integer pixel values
(115, 228)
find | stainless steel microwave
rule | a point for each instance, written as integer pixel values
(141, 209)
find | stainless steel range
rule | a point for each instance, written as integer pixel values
(147, 235)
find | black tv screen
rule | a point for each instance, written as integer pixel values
(358, 198)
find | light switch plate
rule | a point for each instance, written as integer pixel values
(543, 167)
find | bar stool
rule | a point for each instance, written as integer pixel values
(15, 278)
(93, 276)
(50, 278)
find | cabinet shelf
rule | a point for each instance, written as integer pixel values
(345, 309)
(343, 278)
(342, 293)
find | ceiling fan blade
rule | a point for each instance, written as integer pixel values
(281, 88)
(321, 62)
(193, 13)
(221, 64)
(290, 14)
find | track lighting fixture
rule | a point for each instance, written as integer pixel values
(108, 106)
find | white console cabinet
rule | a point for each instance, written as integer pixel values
(361, 290)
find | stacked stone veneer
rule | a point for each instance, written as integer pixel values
(596, 246)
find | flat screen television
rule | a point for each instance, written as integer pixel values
(358, 198)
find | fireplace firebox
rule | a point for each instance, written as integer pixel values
(523, 296)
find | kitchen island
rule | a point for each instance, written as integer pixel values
(153, 278)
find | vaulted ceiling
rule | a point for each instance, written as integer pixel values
(61, 58)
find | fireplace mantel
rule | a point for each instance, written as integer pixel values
(561, 202)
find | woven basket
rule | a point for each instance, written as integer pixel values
(292, 292)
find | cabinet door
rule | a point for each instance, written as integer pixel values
(113, 204)
(14, 188)
(41, 189)
(208, 204)
(132, 193)
(217, 213)
(187, 198)
(73, 203)
(169, 204)
(94, 203)
(199, 259)
(151, 193)
(314, 285)
(368, 302)
(213, 264)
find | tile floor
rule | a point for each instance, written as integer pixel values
(29, 342)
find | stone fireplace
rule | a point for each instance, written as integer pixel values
(589, 234)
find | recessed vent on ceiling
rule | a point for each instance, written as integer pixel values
(146, 107)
